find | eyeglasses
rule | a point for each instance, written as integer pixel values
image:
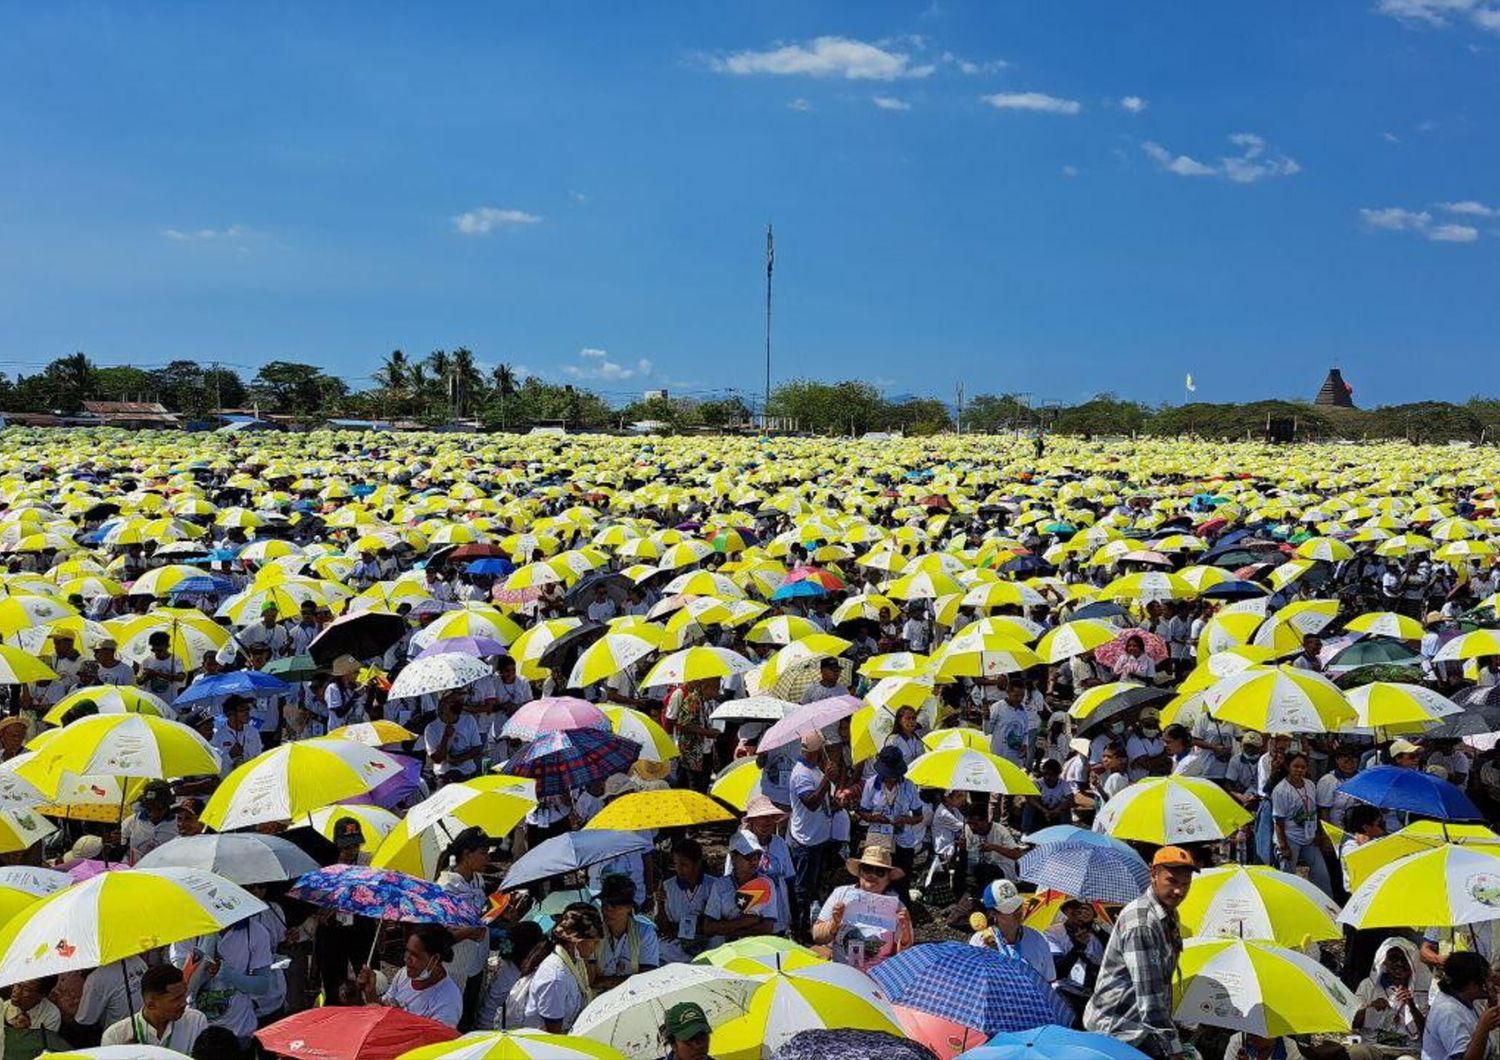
(874, 870)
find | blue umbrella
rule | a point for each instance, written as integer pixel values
(1088, 871)
(1411, 791)
(1235, 590)
(1071, 833)
(1053, 1043)
(218, 687)
(971, 985)
(571, 851)
(562, 761)
(490, 566)
(792, 590)
(201, 584)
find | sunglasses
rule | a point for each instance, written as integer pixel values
(874, 870)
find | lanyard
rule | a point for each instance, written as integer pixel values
(139, 1026)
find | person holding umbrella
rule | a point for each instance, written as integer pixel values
(422, 986)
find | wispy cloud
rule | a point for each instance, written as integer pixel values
(597, 364)
(890, 103)
(1483, 14)
(1034, 101)
(799, 104)
(972, 68)
(1470, 208)
(1134, 104)
(482, 220)
(1250, 165)
(1390, 138)
(1417, 222)
(843, 57)
(207, 235)
(1069, 171)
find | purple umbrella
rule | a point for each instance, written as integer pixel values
(482, 647)
(806, 719)
(392, 791)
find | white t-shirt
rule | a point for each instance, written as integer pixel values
(1008, 727)
(1332, 799)
(180, 1035)
(809, 827)
(465, 738)
(104, 1000)
(1298, 808)
(443, 1001)
(469, 955)
(1450, 1025)
(553, 994)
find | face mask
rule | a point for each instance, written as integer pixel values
(427, 973)
(1149, 730)
(1117, 727)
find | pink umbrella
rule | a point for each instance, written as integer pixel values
(553, 714)
(944, 1037)
(88, 868)
(1109, 654)
(514, 597)
(808, 718)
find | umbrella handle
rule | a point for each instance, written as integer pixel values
(374, 945)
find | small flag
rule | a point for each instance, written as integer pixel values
(496, 906)
(1190, 384)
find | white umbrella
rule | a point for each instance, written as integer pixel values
(244, 857)
(755, 708)
(630, 1016)
(438, 673)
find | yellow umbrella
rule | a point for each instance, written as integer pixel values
(1256, 902)
(736, 783)
(639, 811)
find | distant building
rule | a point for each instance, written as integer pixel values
(653, 395)
(130, 414)
(1335, 391)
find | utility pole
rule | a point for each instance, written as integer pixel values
(770, 264)
(958, 405)
(218, 394)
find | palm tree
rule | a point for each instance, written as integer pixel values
(504, 380)
(392, 374)
(467, 380)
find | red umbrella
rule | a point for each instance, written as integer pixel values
(478, 550)
(356, 1032)
(945, 1038)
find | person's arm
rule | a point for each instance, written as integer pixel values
(1489, 1019)
(823, 931)
(1430, 955)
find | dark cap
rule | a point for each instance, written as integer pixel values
(617, 889)
(156, 791)
(347, 833)
(890, 764)
(685, 1020)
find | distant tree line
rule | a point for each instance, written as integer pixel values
(451, 384)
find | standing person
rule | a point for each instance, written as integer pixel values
(452, 741)
(466, 858)
(687, 710)
(1132, 999)
(890, 807)
(812, 824)
(1294, 813)
(1008, 724)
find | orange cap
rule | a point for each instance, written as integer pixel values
(1173, 858)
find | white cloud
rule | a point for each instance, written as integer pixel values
(1390, 138)
(1484, 14)
(853, 60)
(970, 68)
(598, 365)
(1418, 222)
(577, 196)
(1069, 171)
(1036, 101)
(1182, 165)
(1134, 104)
(1470, 208)
(203, 235)
(1247, 167)
(483, 220)
(890, 103)
(799, 104)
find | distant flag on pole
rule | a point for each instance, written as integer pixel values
(1191, 386)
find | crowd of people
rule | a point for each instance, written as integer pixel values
(917, 667)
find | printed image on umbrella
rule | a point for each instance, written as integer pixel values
(1259, 988)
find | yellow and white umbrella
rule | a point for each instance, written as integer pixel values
(1257, 902)
(781, 629)
(378, 733)
(374, 823)
(814, 997)
(116, 915)
(1309, 616)
(1259, 988)
(515, 1045)
(23, 885)
(1416, 838)
(1075, 638)
(110, 699)
(967, 769)
(1174, 809)
(639, 728)
(495, 804)
(19, 668)
(1386, 624)
(1326, 549)
(1447, 886)
(1278, 699)
(1148, 585)
(609, 655)
(292, 780)
(696, 664)
(1396, 707)
(980, 655)
(1474, 645)
(118, 745)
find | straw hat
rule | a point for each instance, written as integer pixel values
(761, 806)
(878, 857)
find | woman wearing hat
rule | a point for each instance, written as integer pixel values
(630, 943)
(874, 873)
(892, 810)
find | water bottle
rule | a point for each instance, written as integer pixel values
(812, 913)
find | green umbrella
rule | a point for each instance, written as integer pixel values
(294, 668)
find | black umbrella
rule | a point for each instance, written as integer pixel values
(363, 635)
(1105, 609)
(1475, 696)
(1234, 590)
(847, 1044)
(581, 595)
(567, 640)
(1474, 721)
(1125, 701)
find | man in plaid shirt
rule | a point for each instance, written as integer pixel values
(1133, 995)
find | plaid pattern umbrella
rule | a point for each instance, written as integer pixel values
(562, 761)
(1087, 870)
(973, 986)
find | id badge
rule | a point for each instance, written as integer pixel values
(880, 828)
(687, 928)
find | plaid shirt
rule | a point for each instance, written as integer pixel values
(1133, 995)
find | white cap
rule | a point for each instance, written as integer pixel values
(745, 845)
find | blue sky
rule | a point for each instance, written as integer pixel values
(1054, 198)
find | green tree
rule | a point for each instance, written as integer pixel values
(296, 389)
(196, 391)
(122, 383)
(468, 382)
(987, 413)
(847, 407)
(724, 412)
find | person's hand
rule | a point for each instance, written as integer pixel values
(212, 968)
(366, 979)
(903, 920)
(1489, 1020)
(21, 1021)
(1403, 997)
(1379, 1004)
(837, 915)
